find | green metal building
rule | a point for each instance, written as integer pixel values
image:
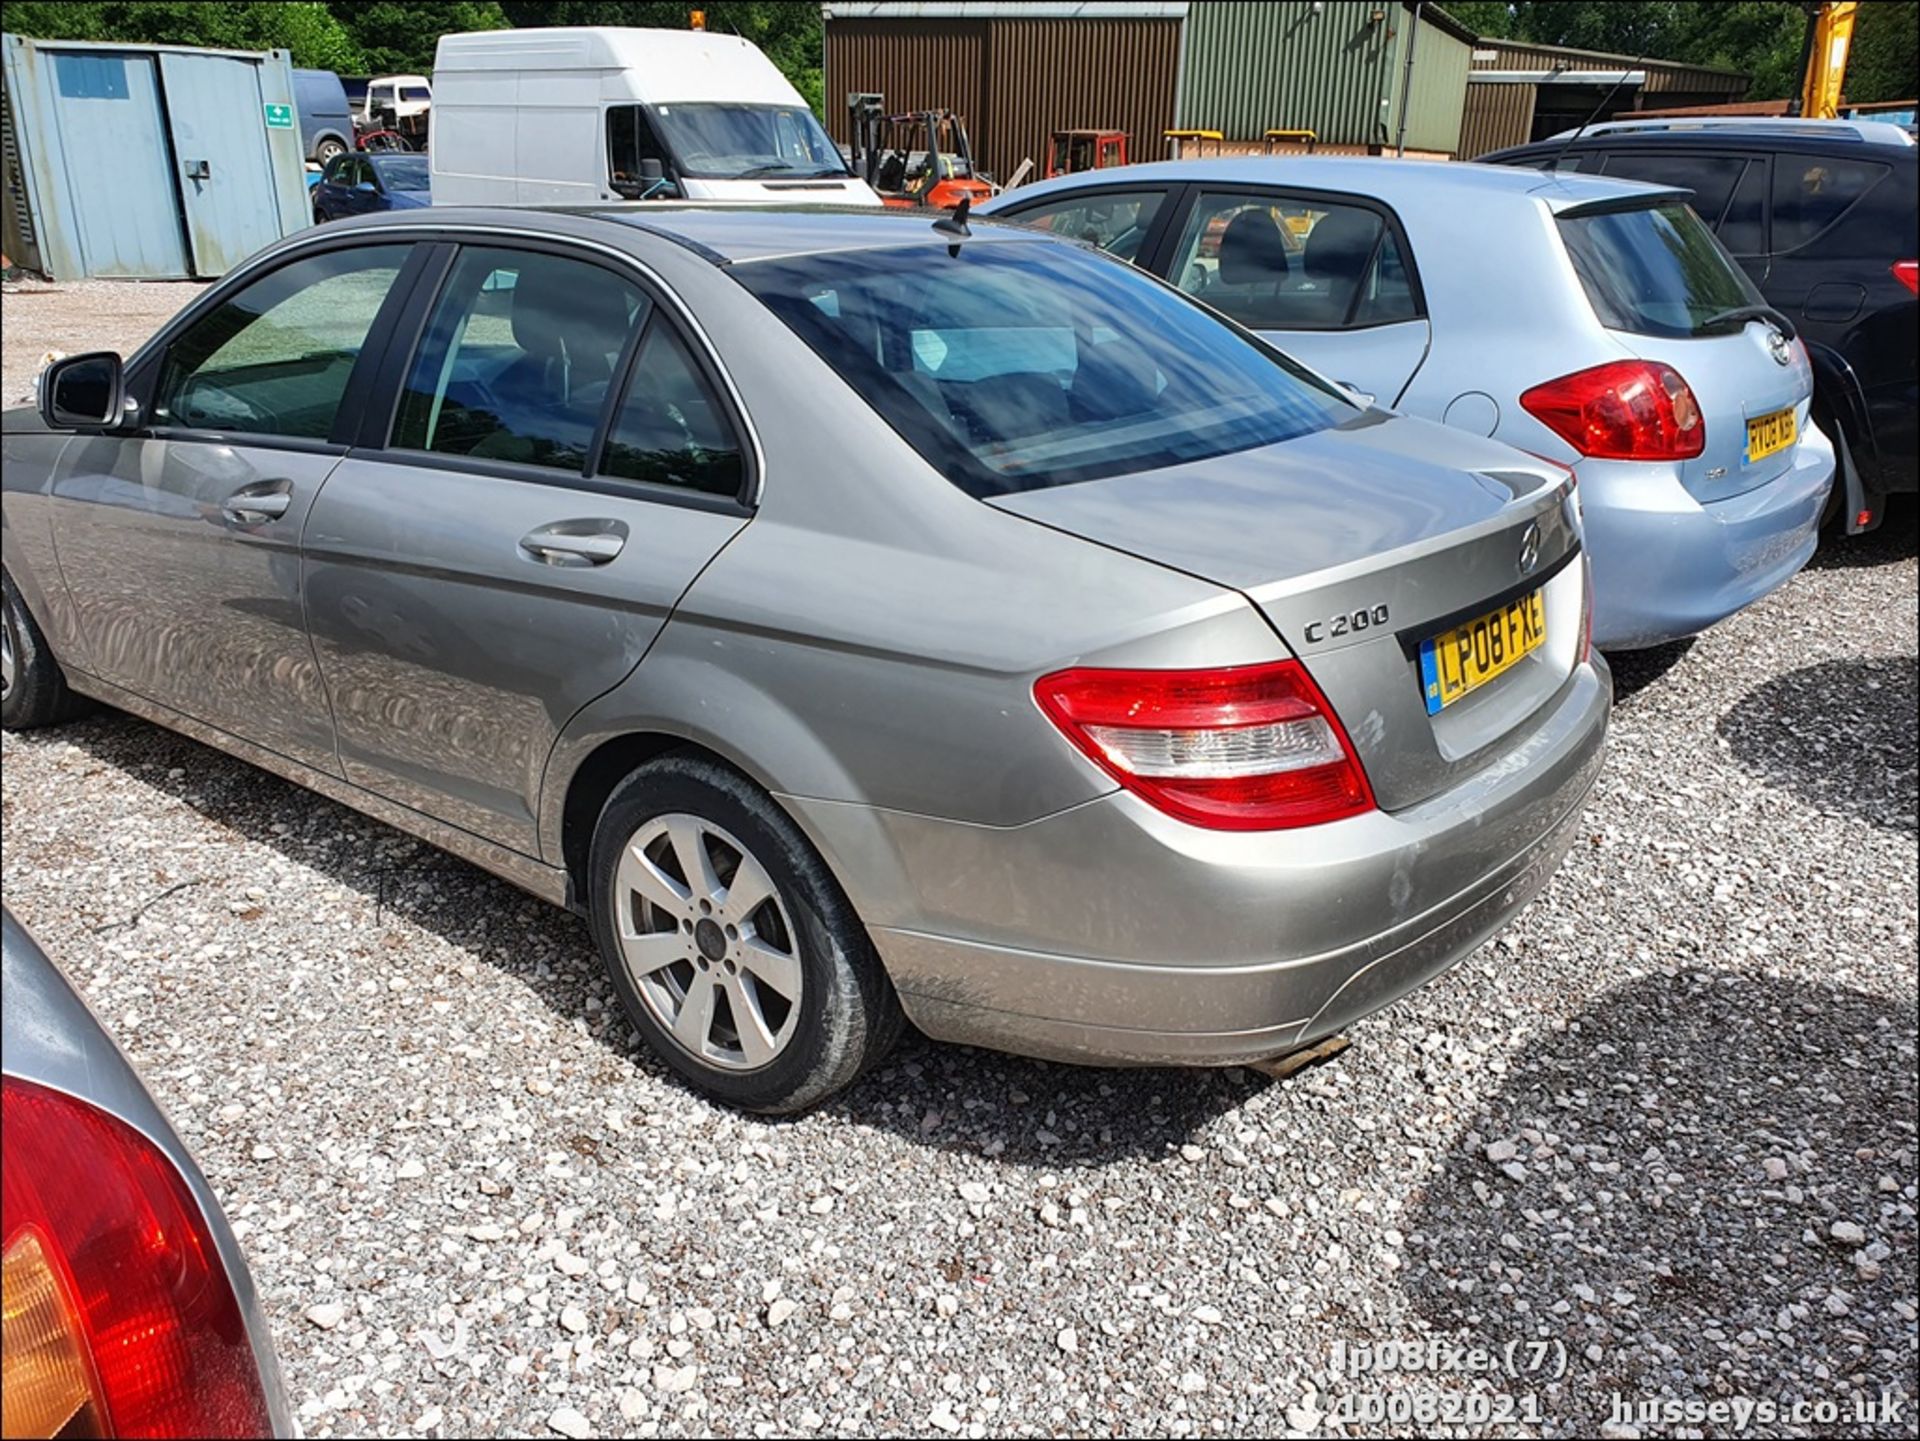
(1336, 68)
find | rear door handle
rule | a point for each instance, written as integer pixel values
(259, 503)
(575, 542)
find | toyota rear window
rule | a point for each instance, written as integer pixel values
(1656, 270)
(1019, 366)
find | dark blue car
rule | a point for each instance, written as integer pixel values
(360, 184)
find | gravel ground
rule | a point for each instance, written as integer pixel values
(78, 315)
(1665, 1125)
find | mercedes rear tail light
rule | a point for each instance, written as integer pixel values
(1624, 410)
(1907, 272)
(1241, 748)
(120, 1319)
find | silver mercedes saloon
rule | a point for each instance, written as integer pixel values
(857, 618)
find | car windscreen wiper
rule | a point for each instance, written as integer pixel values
(755, 171)
(1739, 315)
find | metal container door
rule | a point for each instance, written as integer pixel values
(219, 122)
(114, 149)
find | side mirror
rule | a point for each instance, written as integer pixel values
(651, 170)
(82, 392)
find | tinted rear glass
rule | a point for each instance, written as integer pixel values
(1655, 270)
(1811, 192)
(1015, 367)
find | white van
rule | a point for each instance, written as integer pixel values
(582, 115)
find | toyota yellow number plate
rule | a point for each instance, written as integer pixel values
(1770, 434)
(1465, 658)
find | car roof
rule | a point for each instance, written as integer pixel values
(1387, 179)
(1774, 139)
(736, 234)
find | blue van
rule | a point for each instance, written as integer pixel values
(326, 124)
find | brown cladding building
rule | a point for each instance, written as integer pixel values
(1014, 72)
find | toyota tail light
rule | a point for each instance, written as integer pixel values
(1624, 410)
(1241, 748)
(120, 1318)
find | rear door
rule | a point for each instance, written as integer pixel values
(1328, 278)
(555, 462)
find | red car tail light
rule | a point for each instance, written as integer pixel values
(1624, 410)
(119, 1316)
(1242, 748)
(1907, 272)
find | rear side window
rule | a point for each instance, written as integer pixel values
(1810, 193)
(1018, 365)
(1115, 221)
(1274, 263)
(671, 428)
(518, 359)
(1656, 270)
(1711, 178)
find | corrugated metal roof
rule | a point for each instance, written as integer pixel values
(1493, 54)
(1004, 10)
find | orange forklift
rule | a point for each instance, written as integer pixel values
(1072, 151)
(920, 158)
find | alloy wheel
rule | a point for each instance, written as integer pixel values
(707, 942)
(9, 654)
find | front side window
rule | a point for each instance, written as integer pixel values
(518, 359)
(1274, 263)
(1016, 365)
(275, 357)
(670, 428)
(1115, 221)
(1656, 270)
(1810, 193)
(631, 142)
(748, 142)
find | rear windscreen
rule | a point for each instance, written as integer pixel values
(1018, 366)
(1656, 270)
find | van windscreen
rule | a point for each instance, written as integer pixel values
(748, 142)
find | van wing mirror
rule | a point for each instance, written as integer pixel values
(82, 392)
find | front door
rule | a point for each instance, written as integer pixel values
(557, 470)
(1326, 279)
(181, 540)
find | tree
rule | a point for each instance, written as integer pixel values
(1885, 44)
(314, 36)
(399, 38)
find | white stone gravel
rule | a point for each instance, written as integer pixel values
(1666, 1124)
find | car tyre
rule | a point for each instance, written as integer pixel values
(708, 968)
(33, 688)
(328, 150)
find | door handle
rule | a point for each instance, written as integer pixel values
(257, 504)
(575, 542)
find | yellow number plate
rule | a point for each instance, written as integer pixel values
(1468, 656)
(1770, 434)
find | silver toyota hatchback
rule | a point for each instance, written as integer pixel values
(1590, 320)
(855, 618)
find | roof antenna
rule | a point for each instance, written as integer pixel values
(956, 224)
(1554, 164)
